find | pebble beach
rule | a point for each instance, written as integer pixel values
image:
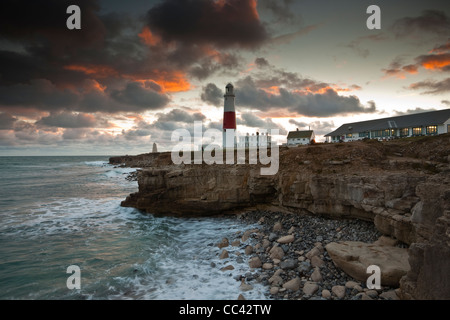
(286, 254)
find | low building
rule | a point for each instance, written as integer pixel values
(263, 140)
(298, 137)
(417, 124)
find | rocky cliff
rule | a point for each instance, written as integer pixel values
(403, 186)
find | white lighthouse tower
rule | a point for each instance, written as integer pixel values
(229, 118)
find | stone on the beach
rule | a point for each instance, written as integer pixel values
(275, 280)
(389, 295)
(248, 250)
(339, 291)
(224, 254)
(241, 297)
(304, 267)
(228, 267)
(372, 293)
(351, 284)
(291, 230)
(255, 262)
(326, 294)
(316, 276)
(276, 253)
(316, 261)
(245, 286)
(312, 253)
(293, 284)
(274, 290)
(224, 243)
(386, 241)
(353, 257)
(267, 266)
(310, 288)
(286, 239)
(266, 243)
(277, 226)
(288, 264)
(236, 243)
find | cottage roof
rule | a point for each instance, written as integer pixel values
(300, 134)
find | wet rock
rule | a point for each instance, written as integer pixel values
(224, 243)
(248, 250)
(293, 284)
(255, 262)
(224, 254)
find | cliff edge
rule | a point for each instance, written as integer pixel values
(402, 186)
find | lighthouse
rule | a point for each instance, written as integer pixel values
(229, 117)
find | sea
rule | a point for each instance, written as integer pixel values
(61, 213)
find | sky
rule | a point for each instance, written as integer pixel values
(137, 70)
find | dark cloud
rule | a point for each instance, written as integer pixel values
(73, 120)
(430, 21)
(45, 21)
(431, 86)
(224, 24)
(178, 115)
(319, 127)
(261, 62)
(253, 121)
(138, 97)
(281, 10)
(212, 94)
(7, 121)
(324, 104)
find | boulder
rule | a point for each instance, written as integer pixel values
(353, 257)
(310, 288)
(339, 291)
(276, 253)
(293, 284)
(316, 276)
(286, 239)
(255, 262)
(224, 254)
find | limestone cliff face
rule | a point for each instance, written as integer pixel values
(406, 197)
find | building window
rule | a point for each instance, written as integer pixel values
(349, 135)
(432, 130)
(363, 134)
(404, 132)
(417, 131)
(386, 133)
(377, 133)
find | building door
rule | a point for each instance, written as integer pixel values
(448, 128)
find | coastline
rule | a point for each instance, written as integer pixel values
(301, 269)
(400, 187)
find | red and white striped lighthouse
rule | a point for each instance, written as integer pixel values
(229, 116)
(229, 113)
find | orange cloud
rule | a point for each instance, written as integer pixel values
(100, 71)
(166, 81)
(435, 62)
(148, 37)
